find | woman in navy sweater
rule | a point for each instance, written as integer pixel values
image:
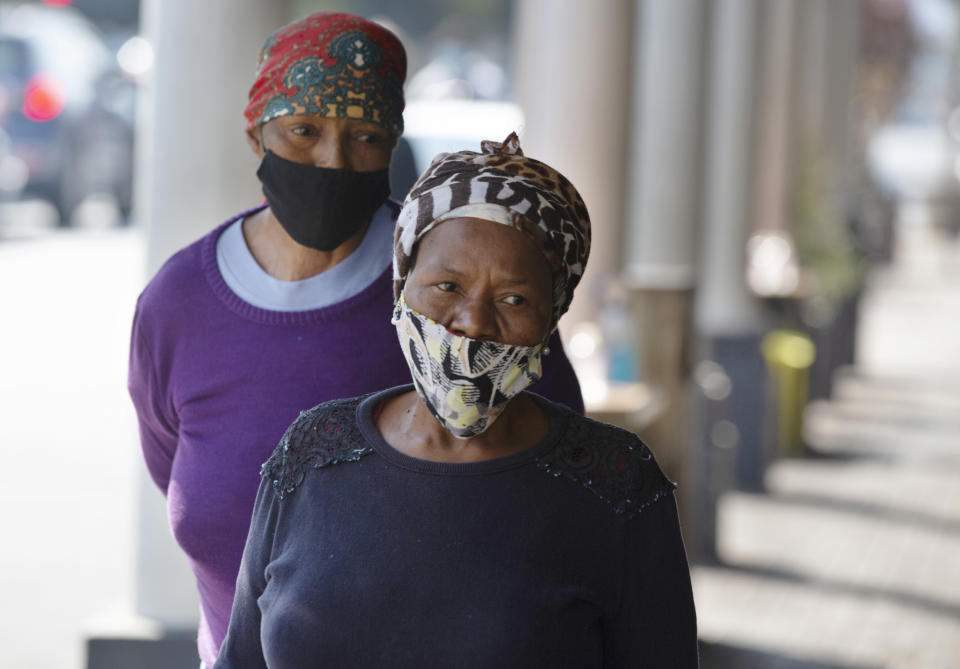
(461, 521)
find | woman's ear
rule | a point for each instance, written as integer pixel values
(546, 341)
(253, 141)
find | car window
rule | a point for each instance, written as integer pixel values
(13, 59)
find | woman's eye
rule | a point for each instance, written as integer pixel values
(302, 131)
(369, 138)
(516, 300)
(447, 286)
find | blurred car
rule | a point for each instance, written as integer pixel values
(65, 109)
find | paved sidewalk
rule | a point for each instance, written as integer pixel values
(67, 436)
(852, 558)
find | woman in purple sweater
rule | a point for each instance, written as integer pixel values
(282, 306)
(460, 521)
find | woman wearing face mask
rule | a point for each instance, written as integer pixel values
(461, 521)
(283, 306)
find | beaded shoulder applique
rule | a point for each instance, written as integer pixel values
(610, 462)
(324, 435)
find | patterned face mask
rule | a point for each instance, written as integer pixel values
(466, 383)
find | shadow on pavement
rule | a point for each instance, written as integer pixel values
(885, 512)
(840, 587)
(723, 656)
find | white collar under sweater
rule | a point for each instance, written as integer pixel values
(252, 284)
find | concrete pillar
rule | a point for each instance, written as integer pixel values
(729, 381)
(826, 64)
(724, 305)
(773, 164)
(572, 81)
(840, 119)
(812, 19)
(194, 169)
(827, 59)
(663, 210)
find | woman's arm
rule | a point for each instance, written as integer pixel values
(656, 624)
(242, 647)
(156, 417)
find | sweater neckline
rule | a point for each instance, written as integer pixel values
(558, 420)
(239, 306)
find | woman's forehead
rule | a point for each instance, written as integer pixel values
(461, 231)
(462, 242)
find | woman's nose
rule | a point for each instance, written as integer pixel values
(330, 151)
(474, 318)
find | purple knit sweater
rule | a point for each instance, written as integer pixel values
(216, 381)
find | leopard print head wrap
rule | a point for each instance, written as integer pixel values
(499, 184)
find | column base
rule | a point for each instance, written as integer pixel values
(167, 649)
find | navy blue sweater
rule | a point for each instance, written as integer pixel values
(565, 555)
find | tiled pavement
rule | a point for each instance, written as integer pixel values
(852, 557)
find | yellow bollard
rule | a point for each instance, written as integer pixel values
(789, 355)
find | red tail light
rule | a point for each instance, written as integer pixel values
(42, 98)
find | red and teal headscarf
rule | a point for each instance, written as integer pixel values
(333, 64)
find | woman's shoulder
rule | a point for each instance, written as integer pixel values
(611, 462)
(328, 434)
(180, 277)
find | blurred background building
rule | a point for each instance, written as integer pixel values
(755, 172)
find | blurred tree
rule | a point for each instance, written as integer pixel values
(824, 242)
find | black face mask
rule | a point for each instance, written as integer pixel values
(321, 207)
